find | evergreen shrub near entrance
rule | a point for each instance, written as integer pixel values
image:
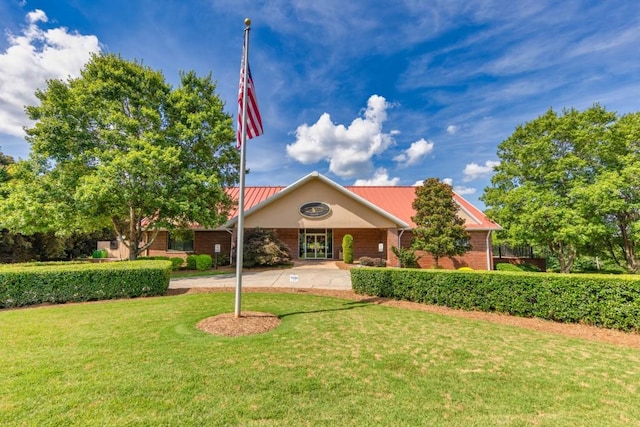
(347, 249)
(611, 302)
(29, 284)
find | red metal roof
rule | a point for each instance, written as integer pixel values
(395, 200)
(252, 196)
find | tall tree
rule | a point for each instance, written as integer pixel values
(11, 245)
(118, 145)
(439, 230)
(534, 192)
(5, 162)
(613, 198)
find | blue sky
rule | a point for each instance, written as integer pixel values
(363, 91)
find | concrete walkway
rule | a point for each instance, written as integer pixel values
(303, 275)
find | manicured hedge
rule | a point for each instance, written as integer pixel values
(176, 262)
(28, 284)
(607, 301)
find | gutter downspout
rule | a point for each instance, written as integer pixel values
(231, 245)
(488, 250)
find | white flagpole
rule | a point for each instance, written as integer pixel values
(243, 144)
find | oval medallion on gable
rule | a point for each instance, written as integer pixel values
(315, 209)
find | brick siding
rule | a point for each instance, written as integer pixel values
(476, 258)
(204, 243)
(365, 243)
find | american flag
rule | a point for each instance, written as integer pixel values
(254, 121)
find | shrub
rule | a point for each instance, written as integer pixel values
(529, 267)
(505, 266)
(379, 262)
(191, 262)
(407, 257)
(589, 265)
(262, 247)
(22, 285)
(204, 262)
(366, 261)
(99, 253)
(221, 259)
(347, 248)
(372, 262)
(584, 265)
(176, 263)
(606, 301)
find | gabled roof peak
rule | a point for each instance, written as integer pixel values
(392, 202)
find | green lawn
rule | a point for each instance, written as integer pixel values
(330, 362)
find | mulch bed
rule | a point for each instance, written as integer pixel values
(248, 323)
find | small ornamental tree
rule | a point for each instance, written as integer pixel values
(347, 248)
(439, 230)
(262, 247)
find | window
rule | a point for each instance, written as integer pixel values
(180, 243)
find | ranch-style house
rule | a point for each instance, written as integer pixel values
(313, 214)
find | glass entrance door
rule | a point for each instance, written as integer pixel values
(315, 244)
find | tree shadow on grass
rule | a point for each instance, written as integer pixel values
(346, 306)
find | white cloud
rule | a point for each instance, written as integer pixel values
(474, 171)
(348, 150)
(36, 15)
(415, 153)
(464, 190)
(452, 129)
(33, 57)
(458, 188)
(380, 177)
